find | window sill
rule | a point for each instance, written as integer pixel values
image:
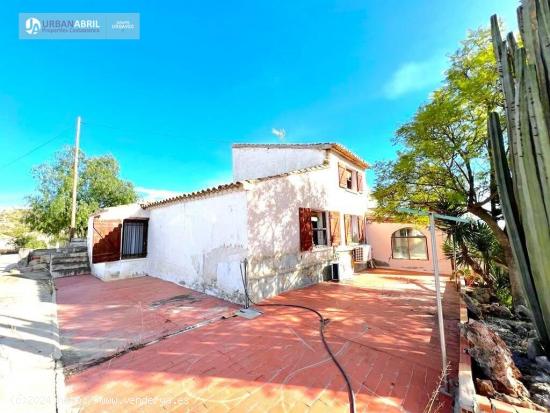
(321, 248)
(133, 258)
(410, 259)
(351, 191)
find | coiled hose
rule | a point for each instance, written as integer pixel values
(322, 323)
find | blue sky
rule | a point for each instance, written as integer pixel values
(206, 74)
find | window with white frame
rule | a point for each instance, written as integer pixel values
(409, 244)
(319, 227)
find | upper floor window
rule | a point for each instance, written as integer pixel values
(409, 244)
(354, 229)
(350, 178)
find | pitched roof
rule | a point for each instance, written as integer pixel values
(197, 194)
(336, 147)
(228, 187)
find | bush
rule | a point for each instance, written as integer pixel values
(28, 241)
(501, 287)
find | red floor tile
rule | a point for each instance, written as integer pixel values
(383, 329)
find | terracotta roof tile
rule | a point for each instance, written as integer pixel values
(228, 187)
(191, 195)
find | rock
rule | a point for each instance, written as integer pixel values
(523, 312)
(485, 388)
(534, 349)
(472, 305)
(528, 404)
(483, 295)
(498, 310)
(541, 393)
(543, 363)
(495, 359)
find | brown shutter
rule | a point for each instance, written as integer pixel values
(361, 223)
(334, 228)
(106, 239)
(306, 230)
(342, 181)
(360, 181)
(347, 225)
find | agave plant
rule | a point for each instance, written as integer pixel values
(475, 246)
(522, 169)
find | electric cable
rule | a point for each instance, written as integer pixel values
(323, 322)
(33, 150)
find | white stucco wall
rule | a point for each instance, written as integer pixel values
(259, 162)
(199, 243)
(275, 260)
(126, 268)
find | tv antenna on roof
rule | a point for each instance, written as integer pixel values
(279, 133)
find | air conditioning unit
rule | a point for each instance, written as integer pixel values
(335, 271)
(362, 253)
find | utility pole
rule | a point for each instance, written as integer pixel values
(72, 229)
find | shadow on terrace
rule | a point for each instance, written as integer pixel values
(382, 327)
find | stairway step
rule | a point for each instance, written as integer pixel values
(68, 266)
(68, 272)
(70, 260)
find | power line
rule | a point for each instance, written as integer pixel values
(33, 150)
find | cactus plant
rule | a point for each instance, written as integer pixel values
(523, 172)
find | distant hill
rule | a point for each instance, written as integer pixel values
(11, 220)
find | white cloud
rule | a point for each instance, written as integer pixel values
(415, 76)
(151, 194)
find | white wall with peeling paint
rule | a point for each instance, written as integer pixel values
(276, 262)
(199, 243)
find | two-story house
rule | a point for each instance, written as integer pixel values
(291, 211)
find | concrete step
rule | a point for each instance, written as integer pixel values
(69, 272)
(69, 265)
(83, 258)
(70, 254)
(78, 242)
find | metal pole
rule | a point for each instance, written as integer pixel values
(457, 277)
(439, 304)
(72, 229)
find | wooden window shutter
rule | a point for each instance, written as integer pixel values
(106, 241)
(347, 225)
(360, 181)
(334, 228)
(306, 230)
(361, 223)
(342, 180)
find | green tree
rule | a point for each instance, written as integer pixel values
(444, 155)
(99, 186)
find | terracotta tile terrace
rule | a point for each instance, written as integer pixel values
(383, 329)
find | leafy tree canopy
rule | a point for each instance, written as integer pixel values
(99, 186)
(443, 156)
(443, 150)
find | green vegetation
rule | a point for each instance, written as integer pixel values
(443, 161)
(99, 186)
(522, 161)
(13, 227)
